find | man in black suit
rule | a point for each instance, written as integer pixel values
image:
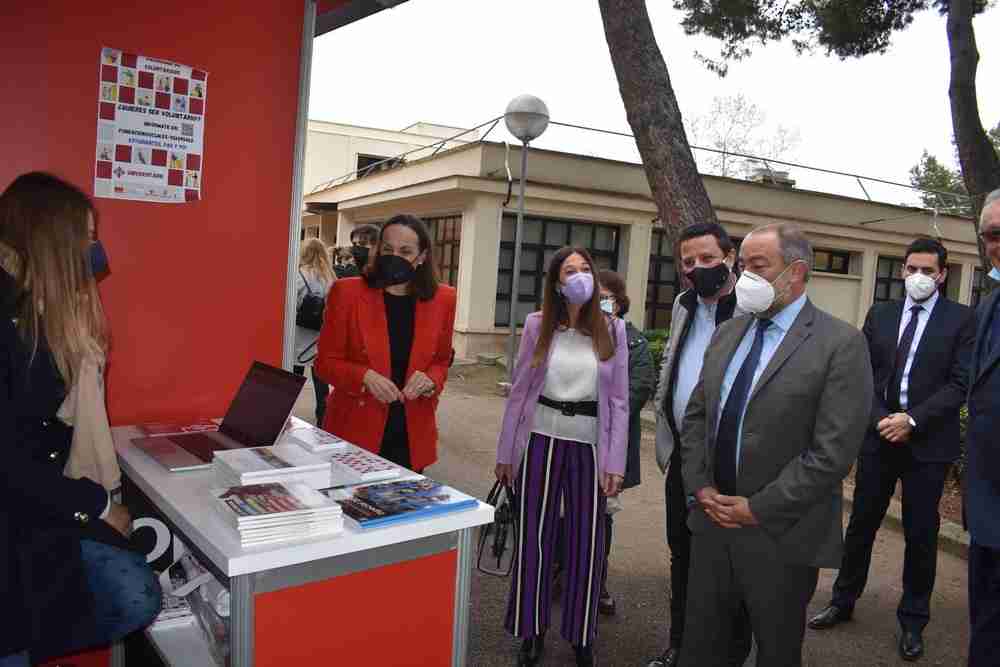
(920, 351)
(982, 476)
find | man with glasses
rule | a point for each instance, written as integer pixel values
(920, 351)
(982, 476)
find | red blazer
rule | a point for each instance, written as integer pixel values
(354, 338)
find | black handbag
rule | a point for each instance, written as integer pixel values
(310, 312)
(498, 541)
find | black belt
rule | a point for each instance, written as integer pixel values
(571, 408)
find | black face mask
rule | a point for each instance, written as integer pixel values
(707, 281)
(392, 270)
(360, 254)
(346, 271)
(98, 260)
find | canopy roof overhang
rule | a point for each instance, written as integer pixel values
(333, 14)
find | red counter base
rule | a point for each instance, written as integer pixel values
(398, 615)
(100, 657)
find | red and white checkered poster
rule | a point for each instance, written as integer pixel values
(150, 129)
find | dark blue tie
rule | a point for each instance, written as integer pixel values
(892, 395)
(995, 330)
(729, 424)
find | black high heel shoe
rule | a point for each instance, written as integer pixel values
(584, 656)
(531, 651)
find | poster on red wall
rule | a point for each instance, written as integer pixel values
(150, 129)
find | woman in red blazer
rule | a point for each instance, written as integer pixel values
(385, 348)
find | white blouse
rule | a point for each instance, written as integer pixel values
(571, 377)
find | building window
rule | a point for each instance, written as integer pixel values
(447, 236)
(977, 287)
(540, 239)
(889, 283)
(370, 164)
(663, 284)
(832, 261)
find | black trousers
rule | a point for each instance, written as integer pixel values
(875, 481)
(984, 605)
(679, 541)
(395, 439)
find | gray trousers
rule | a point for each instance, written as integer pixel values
(734, 567)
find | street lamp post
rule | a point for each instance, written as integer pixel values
(526, 118)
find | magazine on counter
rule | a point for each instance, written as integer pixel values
(311, 438)
(285, 462)
(275, 503)
(387, 503)
(361, 466)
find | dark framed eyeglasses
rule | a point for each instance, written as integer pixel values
(990, 235)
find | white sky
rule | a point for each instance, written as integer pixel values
(458, 62)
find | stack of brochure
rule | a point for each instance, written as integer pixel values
(280, 463)
(357, 466)
(401, 501)
(316, 440)
(278, 511)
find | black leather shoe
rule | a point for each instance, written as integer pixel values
(911, 646)
(829, 617)
(669, 658)
(531, 651)
(584, 656)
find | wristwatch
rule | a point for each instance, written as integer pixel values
(913, 424)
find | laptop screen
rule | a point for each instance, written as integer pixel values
(262, 405)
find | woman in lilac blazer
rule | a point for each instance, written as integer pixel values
(565, 432)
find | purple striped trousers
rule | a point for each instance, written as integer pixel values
(554, 472)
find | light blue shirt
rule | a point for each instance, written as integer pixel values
(780, 324)
(692, 356)
(925, 316)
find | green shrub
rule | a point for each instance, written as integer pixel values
(657, 344)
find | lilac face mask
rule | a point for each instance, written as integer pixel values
(579, 288)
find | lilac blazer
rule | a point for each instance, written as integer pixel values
(612, 400)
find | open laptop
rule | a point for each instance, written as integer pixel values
(255, 418)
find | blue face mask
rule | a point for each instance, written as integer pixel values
(995, 274)
(98, 260)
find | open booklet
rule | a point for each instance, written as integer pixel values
(388, 503)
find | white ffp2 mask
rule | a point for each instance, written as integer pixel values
(920, 287)
(755, 294)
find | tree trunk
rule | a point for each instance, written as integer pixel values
(976, 155)
(655, 118)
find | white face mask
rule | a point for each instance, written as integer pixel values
(995, 274)
(608, 306)
(755, 294)
(920, 287)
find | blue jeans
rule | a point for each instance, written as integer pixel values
(127, 597)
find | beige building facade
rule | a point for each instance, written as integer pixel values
(338, 152)
(464, 194)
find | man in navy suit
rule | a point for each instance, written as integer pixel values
(920, 350)
(982, 477)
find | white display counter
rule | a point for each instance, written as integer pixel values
(407, 574)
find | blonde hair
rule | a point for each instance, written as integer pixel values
(44, 226)
(314, 257)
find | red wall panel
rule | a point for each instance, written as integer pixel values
(196, 290)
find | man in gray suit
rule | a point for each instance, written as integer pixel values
(770, 432)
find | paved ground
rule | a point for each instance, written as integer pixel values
(469, 418)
